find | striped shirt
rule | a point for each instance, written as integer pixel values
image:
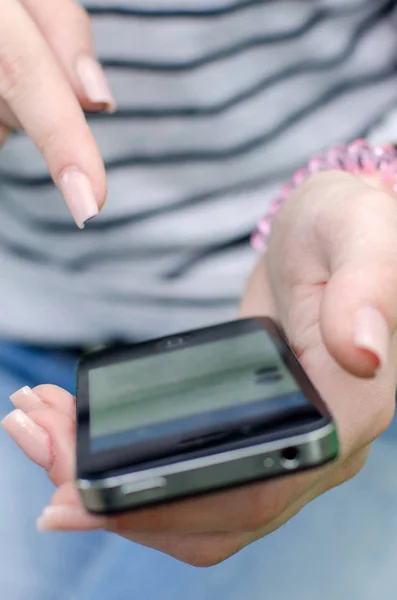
(219, 100)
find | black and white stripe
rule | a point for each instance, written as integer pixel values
(218, 102)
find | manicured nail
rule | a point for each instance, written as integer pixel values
(67, 518)
(79, 196)
(372, 333)
(32, 439)
(26, 399)
(94, 82)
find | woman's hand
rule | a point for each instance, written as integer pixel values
(330, 278)
(47, 74)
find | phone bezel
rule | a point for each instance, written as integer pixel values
(117, 492)
(234, 426)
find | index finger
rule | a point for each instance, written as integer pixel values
(38, 93)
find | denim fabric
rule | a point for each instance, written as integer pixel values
(344, 545)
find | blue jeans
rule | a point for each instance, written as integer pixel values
(344, 545)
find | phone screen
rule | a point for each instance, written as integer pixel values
(128, 398)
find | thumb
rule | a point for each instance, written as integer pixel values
(359, 307)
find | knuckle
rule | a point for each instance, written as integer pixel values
(13, 72)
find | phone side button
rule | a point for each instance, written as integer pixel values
(143, 485)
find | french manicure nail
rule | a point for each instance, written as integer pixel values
(26, 399)
(79, 196)
(67, 518)
(94, 82)
(32, 439)
(372, 333)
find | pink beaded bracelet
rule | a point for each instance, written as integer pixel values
(357, 157)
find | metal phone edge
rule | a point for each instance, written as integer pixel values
(206, 474)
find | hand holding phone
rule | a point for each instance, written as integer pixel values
(307, 292)
(194, 413)
(207, 527)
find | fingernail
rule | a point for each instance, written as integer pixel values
(79, 196)
(67, 518)
(372, 333)
(94, 82)
(32, 439)
(26, 399)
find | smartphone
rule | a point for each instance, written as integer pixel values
(193, 413)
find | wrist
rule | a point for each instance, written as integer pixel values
(375, 166)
